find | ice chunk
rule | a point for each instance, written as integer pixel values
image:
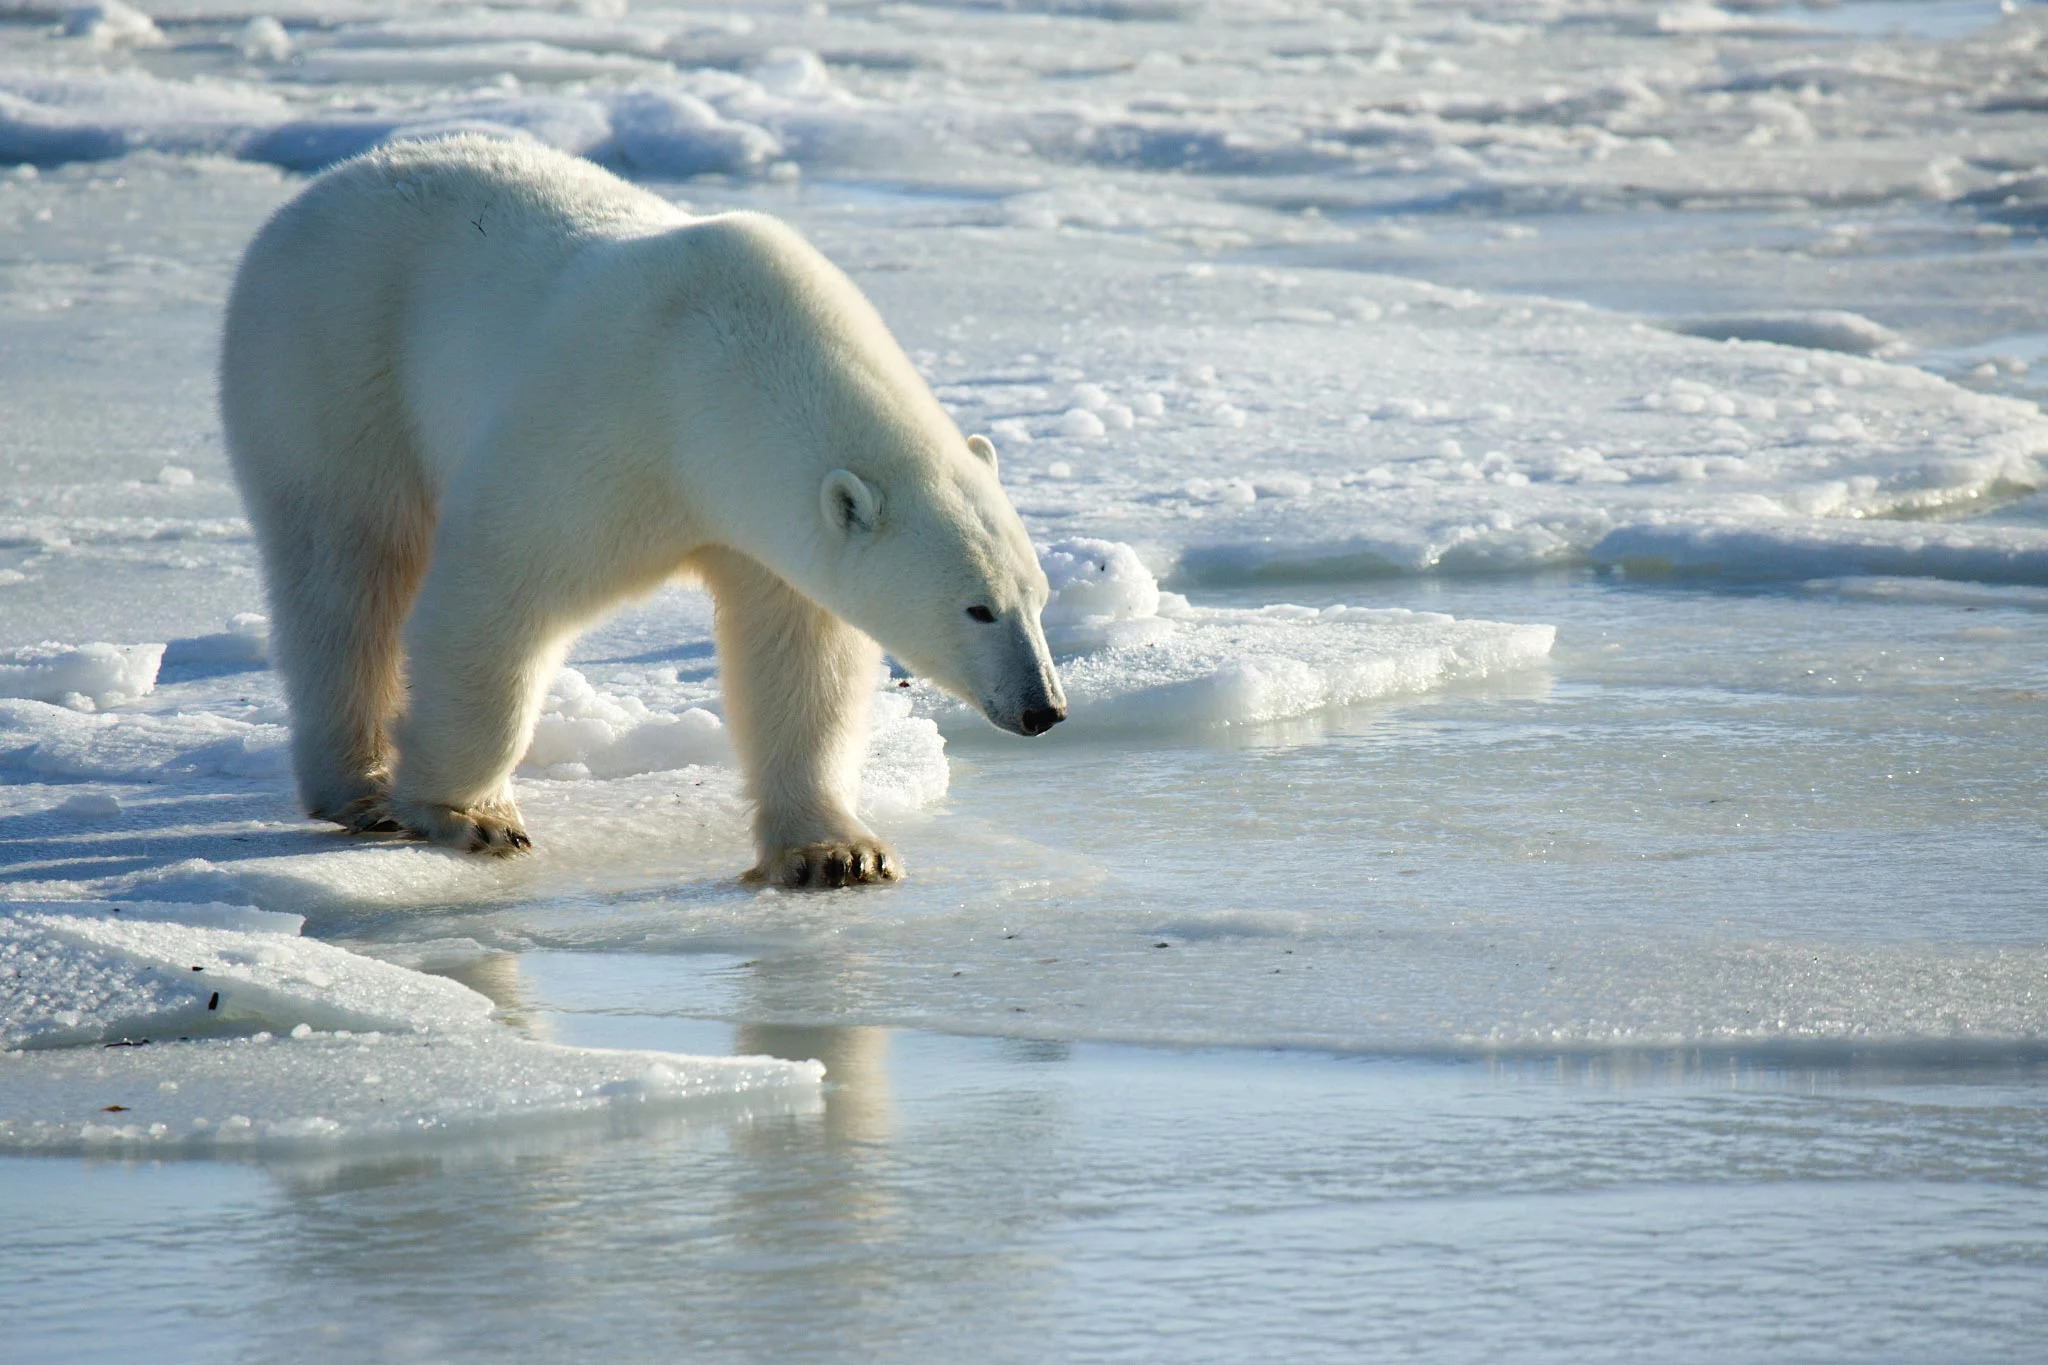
(105, 1012)
(666, 131)
(87, 973)
(1095, 580)
(244, 644)
(1221, 666)
(1826, 547)
(1080, 424)
(45, 741)
(88, 806)
(82, 677)
(793, 73)
(330, 1090)
(1132, 656)
(112, 24)
(906, 762)
(263, 39)
(606, 736)
(1827, 329)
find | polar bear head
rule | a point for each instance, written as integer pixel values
(838, 469)
(936, 566)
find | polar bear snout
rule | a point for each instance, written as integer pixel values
(1034, 717)
(1033, 708)
(1039, 719)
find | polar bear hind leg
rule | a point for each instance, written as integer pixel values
(798, 685)
(341, 580)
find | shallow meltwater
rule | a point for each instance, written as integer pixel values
(1679, 998)
(1801, 816)
(1035, 1201)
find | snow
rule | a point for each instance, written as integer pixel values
(1130, 655)
(1810, 549)
(84, 678)
(203, 1027)
(1544, 512)
(1824, 329)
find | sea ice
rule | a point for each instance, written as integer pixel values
(84, 677)
(1131, 655)
(1826, 329)
(368, 1050)
(1820, 549)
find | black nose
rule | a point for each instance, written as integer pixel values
(1039, 719)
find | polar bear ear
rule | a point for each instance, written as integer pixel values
(851, 507)
(983, 447)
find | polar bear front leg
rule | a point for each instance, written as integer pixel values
(479, 657)
(798, 685)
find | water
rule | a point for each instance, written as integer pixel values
(1906, 18)
(1801, 822)
(1680, 1000)
(1043, 1202)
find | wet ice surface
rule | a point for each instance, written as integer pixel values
(1544, 865)
(1055, 1202)
(1742, 908)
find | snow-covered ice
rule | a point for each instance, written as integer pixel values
(85, 678)
(1133, 656)
(217, 1028)
(1545, 513)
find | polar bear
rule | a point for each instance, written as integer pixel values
(476, 392)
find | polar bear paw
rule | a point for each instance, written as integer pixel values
(369, 814)
(492, 828)
(851, 862)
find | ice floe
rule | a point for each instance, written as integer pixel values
(1131, 655)
(1820, 549)
(216, 1028)
(1825, 329)
(83, 678)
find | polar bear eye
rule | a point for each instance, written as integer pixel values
(983, 615)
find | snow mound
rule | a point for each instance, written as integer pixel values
(1826, 329)
(670, 132)
(106, 1012)
(85, 973)
(244, 644)
(583, 733)
(81, 677)
(667, 123)
(1830, 548)
(1096, 580)
(42, 741)
(1224, 666)
(906, 764)
(1132, 656)
(112, 25)
(228, 1096)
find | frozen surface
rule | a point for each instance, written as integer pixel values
(1133, 657)
(1818, 549)
(84, 679)
(356, 1091)
(1545, 508)
(155, 1025)
(1039, 1198)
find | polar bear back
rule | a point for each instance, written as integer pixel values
(414, 279)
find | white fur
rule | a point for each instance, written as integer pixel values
(478, 392)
